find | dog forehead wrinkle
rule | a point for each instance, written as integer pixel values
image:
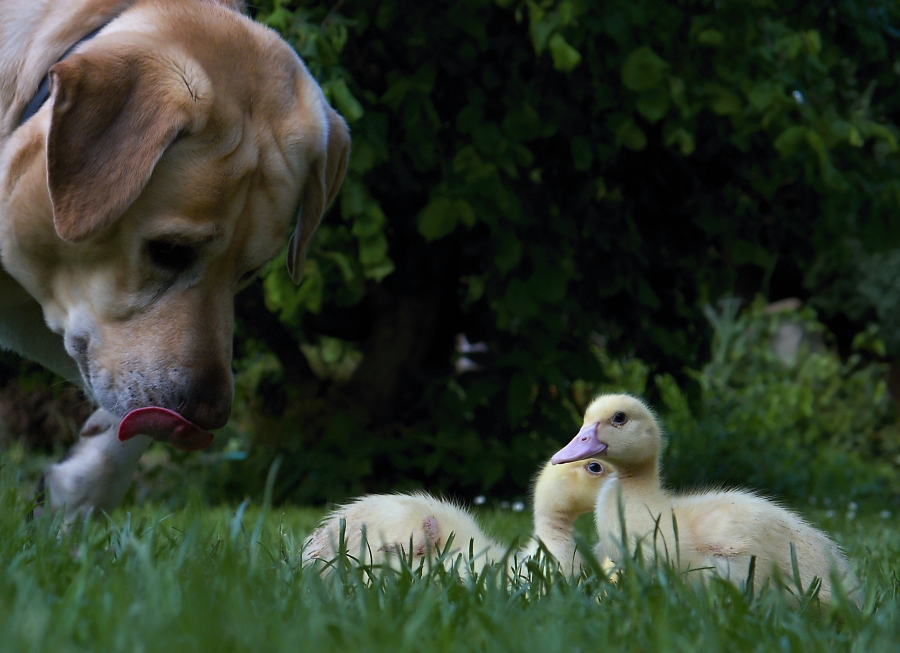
(194, 80)
(186, 232)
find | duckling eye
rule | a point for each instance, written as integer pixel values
(619, 419)
(595, 467)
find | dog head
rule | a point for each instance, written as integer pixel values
(165, 170)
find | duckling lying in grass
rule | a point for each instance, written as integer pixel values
(716, 529)
(420, 524)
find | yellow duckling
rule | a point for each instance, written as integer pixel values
(395, 522)
(561, 494)
(717, 529)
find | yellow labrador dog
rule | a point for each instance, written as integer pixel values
(153, 155)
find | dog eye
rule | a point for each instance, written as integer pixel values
(619, 419)
(172, 257)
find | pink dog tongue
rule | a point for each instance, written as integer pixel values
(166, 426)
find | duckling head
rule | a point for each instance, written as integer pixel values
(570, 487)
(619, 428)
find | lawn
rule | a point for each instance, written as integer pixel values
(228, 579)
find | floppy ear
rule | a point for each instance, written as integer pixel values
(322, 184)
(113, 116)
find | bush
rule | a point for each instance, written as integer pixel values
(537, 175)
(782, 412)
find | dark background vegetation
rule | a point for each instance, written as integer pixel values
(576, 187)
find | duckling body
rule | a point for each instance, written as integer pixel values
(717, 530)
(380, 527)
(561, 494)
(420, 524)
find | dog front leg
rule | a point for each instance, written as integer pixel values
(97, 471)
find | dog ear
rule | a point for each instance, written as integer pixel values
(113, 115)
(322, 183)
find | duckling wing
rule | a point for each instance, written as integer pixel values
(728, 528)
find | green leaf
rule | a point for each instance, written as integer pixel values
(763, 94)
(565, 57)
(683, 139)
(509, 251)
(522, 123)
(724, 102)
(363, 157)
(465, 212)
(566, 12)
(789, 140)
(631, 136)
(311, 293)
(653, 103)
(398, 87)
(354, 198)
(542, 25)
(380, 270)
(643, 69)
(743, 252)
(711, 37)
(789, 45)
(308, 295)
(347, 105)
(438, 219)
(832, 177)
(813, 42)
(678, 93)
(278, 19)
(475, 289)
(385, 14)
(519, 301)
(871, 128)
(582, 153)
(373, 249)
(370, 222)
(816, 143)
(646, 296)
(344, 265)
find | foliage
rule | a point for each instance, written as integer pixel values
(781, 411)
(541, 175)
(212, 578)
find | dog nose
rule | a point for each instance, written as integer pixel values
(209, 416)
(209, 398)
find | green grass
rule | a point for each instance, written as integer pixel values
(229, 579)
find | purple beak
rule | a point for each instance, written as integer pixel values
(584, 445)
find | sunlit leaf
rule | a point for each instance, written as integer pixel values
(565, 57)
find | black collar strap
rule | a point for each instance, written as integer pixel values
(43, 90)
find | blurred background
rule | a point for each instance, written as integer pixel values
(697, 202)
